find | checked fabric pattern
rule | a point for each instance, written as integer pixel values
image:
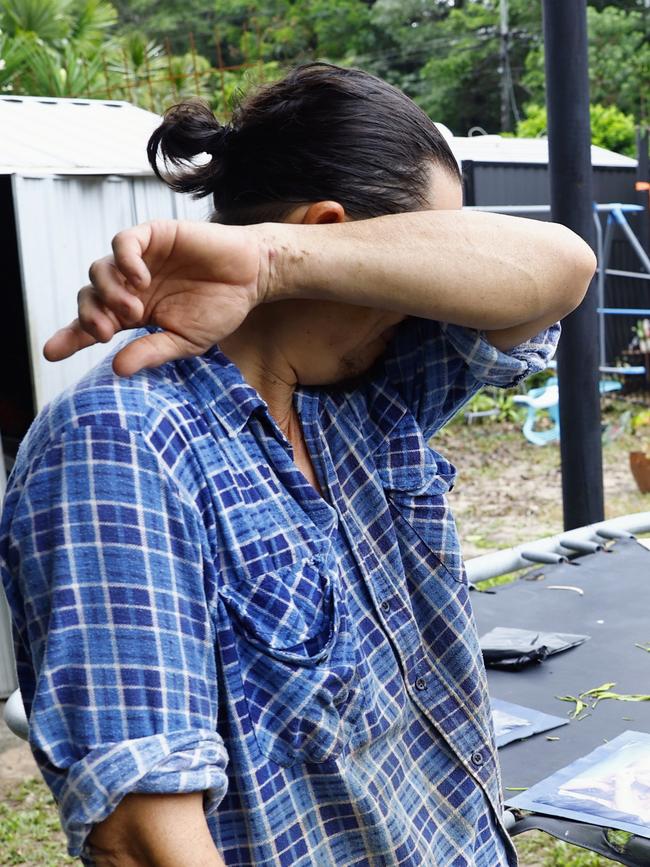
(190, 615)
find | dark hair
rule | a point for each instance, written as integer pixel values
(322, 132)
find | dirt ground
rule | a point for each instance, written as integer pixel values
(510, 491)
(16, 763)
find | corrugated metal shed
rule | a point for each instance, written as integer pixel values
(528, 151)
(73, 136)
(514, 171)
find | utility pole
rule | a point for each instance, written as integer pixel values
(504, 66)
(569, 147)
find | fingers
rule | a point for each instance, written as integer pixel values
(97, 322)
(108, 304)
(152, 350)
(66, 341)
(129, 248)
(109, 292)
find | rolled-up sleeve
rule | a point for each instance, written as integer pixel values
(437, 367)
(103, 566)
(490, 366)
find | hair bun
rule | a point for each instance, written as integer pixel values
(187, 129)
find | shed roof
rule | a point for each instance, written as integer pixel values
(73, 136)
(498, 149)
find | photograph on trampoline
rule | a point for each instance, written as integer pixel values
(610, 786)
(512, 722)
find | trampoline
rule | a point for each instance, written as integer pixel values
(605, 595)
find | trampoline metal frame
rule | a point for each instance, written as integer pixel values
(557, 549)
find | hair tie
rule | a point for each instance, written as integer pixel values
(219, 140)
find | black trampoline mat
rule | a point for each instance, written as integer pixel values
(616, 588)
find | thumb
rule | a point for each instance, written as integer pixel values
(152, 350)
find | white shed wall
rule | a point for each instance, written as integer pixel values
(63, 224)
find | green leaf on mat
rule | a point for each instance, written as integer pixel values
(580, 705)
(604, 687)
(596, 694)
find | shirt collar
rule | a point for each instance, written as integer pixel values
(220, 385)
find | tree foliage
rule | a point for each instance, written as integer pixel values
(610, 127)
(619, 61)
(446, 54)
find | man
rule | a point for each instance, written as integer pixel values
(243, 626)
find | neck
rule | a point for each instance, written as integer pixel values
(265, 367)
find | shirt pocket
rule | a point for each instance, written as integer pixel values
(296, 658)
(416, 480)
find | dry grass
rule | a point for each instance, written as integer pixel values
(510, 491)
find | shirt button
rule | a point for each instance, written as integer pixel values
(420, 684)
(385, 606)
(477, 759)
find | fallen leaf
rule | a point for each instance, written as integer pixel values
(604, 687)
(580, 705)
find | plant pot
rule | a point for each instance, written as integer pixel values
(640, 466)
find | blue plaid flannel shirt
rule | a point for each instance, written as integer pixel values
(190, 615)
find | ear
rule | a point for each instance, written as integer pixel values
(318, 212)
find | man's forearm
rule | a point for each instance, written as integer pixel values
(155, 831)
(480, 270)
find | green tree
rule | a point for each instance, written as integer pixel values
(55, 47)
(48, 20)
(12, 59)
(619, 61)
(444, 53)
(60, 72)
(610, 127)
(447, 57)
(71, 48)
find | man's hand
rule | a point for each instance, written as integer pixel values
(196, 281)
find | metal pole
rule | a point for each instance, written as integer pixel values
(569, 134)
(636, 245)
(643, 194)
(600, 277)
